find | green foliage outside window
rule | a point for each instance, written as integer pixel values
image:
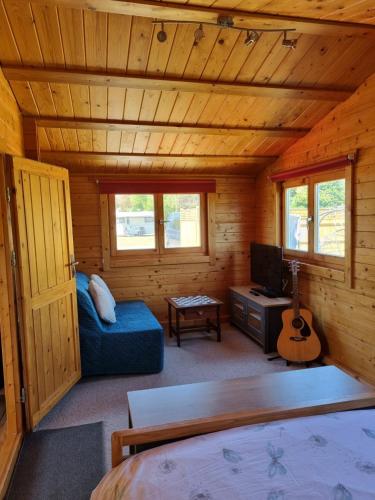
(331, 194)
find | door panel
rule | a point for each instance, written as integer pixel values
(49, 307)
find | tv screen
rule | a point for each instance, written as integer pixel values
(266, 266)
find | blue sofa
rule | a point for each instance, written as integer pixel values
(134, 344)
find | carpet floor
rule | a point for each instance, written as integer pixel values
(62, 464)
(199, 359)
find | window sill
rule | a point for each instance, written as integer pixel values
(321, 271)
(166, 260)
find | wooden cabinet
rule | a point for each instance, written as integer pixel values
(257, 316)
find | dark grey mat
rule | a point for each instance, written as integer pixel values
(61, 464)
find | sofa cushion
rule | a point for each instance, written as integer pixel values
(87, 311)
(133, 316)
(102, 301)
(103, 284)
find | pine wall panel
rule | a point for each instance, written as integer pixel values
(235, 229)
(345, 317)
(11, 140)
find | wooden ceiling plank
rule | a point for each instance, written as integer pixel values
(140, 44)
(116, 103)
(25, 98)
(16, 73)
(70, 139)
(73, 37)
(85, 140)
(48, 32)
(260, 20)
(113, 140)
(23, 27)
(8, 48)
(96, 36)
(119, 30)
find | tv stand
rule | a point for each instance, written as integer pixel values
(264, 292)
(257, 316)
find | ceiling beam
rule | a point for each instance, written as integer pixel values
(51, 156)
(244, 19)
(30, 74)
(111, 125)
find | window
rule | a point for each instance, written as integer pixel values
(314, 219)
(157, 229)
(135, 221)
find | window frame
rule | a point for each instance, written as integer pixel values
(112, 257)
(311, 256)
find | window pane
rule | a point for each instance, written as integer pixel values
(182, 224)
(330, 218)
(296, 200)
(135, 221)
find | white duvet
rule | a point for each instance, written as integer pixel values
(322, 457)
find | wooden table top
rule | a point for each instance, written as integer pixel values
(194, 302)
(276, 393)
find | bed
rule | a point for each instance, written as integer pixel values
(329, 456)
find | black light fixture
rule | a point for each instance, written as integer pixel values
(162, 35)
(198, 34)
(289, 43)
(251, 37)
(226, 22)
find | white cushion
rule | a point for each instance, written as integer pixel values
(102, 302)
(103, 284)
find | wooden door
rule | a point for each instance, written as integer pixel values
(49, 333)
(11, 431)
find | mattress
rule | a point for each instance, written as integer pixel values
(322, 457)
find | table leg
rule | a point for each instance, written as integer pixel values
(218, 325)
(178, 327)
(132, 448)
(170, 319)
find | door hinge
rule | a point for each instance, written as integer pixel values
(22, 398)
(9, 191)
(13, 259)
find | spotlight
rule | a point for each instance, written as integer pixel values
(162, 35)
(198, 34)
(251, 37)
(289, 44)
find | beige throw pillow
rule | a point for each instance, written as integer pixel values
(102, 302)
(103, 284)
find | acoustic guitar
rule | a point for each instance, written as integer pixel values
(297, 341)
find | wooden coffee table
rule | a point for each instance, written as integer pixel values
(187, 410)
(194, 307)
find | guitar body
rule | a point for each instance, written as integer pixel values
(298, 341)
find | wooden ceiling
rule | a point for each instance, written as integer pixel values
(105, 92)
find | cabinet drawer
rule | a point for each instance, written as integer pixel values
(254, 318)
(204, 313)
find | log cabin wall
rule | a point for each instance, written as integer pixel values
(345, 316)
(234, 231)
(11, 140)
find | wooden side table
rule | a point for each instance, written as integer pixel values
(194, 307)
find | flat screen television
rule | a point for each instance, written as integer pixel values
(266, 264)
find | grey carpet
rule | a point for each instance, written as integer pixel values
(199, 359)
(61, 464)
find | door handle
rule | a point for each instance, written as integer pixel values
(72, 264)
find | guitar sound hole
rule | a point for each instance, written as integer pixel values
(298, 323)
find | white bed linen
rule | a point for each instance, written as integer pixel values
(322, 457)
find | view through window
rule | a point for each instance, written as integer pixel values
(138, 217)
(321, 204)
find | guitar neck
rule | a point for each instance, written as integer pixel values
(295, 300)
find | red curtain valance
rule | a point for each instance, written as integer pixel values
(150, 186)
(341, 161)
